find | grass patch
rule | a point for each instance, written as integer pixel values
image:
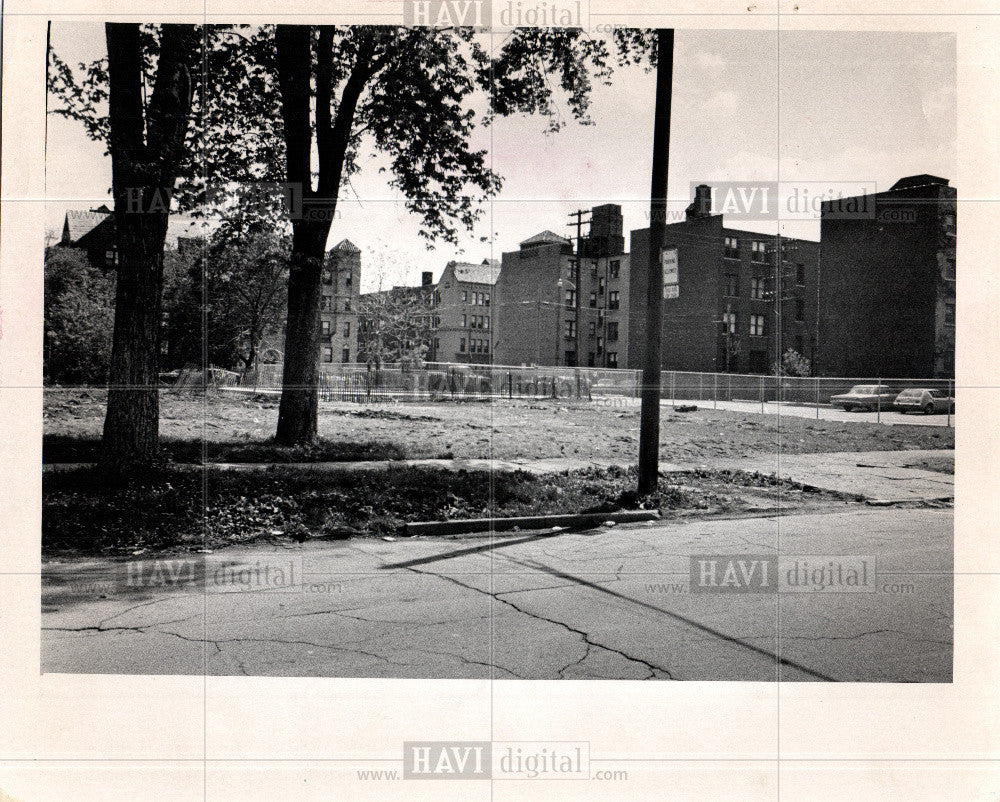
(174, 507)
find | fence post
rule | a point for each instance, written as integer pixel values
(817, 398)
(715, 391)
(510, 385)
(762, 394)
(878, 402)
(673, 393)
(729, 387)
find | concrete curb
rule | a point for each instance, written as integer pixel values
(580, 520)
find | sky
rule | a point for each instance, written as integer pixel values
(807, 108)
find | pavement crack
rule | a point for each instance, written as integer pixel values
(652, 669)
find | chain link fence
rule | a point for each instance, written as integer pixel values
(442, 382)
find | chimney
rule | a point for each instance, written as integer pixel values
(426, 278)
(702, 205)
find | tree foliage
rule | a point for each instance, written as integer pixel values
(792, 363)
(79, 317)
(232, 298)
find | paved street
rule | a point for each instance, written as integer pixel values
(609, 603)
(823, 412)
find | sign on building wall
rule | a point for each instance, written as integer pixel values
(668, 260)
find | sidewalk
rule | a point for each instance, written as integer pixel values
(872, 475)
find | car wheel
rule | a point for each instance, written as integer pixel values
(848, 408)
(928, 408)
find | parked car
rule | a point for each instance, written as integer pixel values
(866, 396)
(924, 400)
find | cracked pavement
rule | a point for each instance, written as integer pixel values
(606, 603)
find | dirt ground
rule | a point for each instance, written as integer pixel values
(503, 429)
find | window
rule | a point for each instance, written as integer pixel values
(328, 354)
(486, 346)
(347, 306)
(461, 345)
(486, 299)
(732, 248)
(800, 310)
(600, 346)
(465, 321)
(486, 320)
(571, 298)
(347, 329)
(590, 359)
(326, 302)
(729, 322)
(757, 251)
(592, 328)
(800, 275)
(593, 300)
(612, 359)
(345, 356)
(324, 328)
(613, 301)
(612, 332)
(349, 279)
(437, 297)
(732, 284)
(757, 325)
(570, 329)
(600, 286)
(111, 257)
(593, 269)
(465, 296)
(572, 269)
(328, 276)
(615, 268)
(758, 287)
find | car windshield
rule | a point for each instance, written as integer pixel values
(863, 389)
(911, 393)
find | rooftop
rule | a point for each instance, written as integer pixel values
(544, 238)
(486, 272)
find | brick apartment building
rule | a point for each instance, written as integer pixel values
(464, 308)
(559, 304)
(395, 325)
(339, 304)
(743, 298)
(887, 282)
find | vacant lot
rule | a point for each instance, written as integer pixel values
(501, 430)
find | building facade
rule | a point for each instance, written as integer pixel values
(395, 325)
(887, 283)
(339, 303)
(464, 313)
(743, 298)
(567, 306)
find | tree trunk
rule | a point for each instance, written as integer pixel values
(131, 425)
(146, 146)
(298, 410)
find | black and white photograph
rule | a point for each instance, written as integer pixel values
(433, 353)
(503, 392)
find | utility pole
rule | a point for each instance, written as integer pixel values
(649, 422)
(578, 214)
